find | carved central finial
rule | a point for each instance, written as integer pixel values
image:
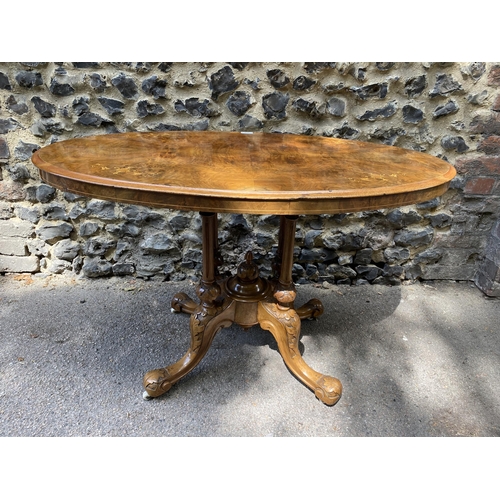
(248, 270)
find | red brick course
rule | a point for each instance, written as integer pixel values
(480, 185)
(487, 126)
(492, 164)
(11, 191)
(483, 166)
(490, 145)
(494, 76)
(496, 104)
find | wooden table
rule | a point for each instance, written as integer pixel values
(214, 172)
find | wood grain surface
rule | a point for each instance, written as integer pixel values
(257, 173)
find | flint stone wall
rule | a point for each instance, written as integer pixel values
(450, 110)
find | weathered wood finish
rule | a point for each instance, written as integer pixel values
(257, 173)
(213, 172)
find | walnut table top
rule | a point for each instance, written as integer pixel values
(236, 172)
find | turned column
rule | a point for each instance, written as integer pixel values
(209, 237)
(286, 244)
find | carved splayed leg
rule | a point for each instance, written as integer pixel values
(284, 324)
(209, 317)
(183, 303)
(311, 309)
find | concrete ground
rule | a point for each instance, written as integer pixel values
(416, 360)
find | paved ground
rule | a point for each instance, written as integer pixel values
(418, 360)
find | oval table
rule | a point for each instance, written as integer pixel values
(247, 173)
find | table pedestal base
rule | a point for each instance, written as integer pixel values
(247, 300)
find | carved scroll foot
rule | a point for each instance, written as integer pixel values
(205, 323)
(157, 382)
(311, 309)
(284, 324)
(328, 389)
